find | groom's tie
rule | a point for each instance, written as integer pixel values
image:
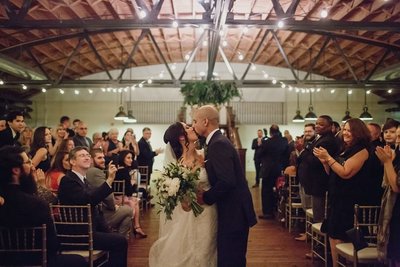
(205, 150)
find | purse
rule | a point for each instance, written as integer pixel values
(356, 237)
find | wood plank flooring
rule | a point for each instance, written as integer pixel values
(270, 243)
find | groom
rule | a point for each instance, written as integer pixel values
(229, 190)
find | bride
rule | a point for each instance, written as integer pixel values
(185, 240)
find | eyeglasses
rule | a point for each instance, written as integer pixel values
(82, 128)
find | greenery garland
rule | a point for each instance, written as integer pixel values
(209, 92)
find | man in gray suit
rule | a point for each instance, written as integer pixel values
(117, 217)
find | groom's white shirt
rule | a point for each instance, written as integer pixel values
(210, 135)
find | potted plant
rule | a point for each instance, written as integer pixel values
(209, 92)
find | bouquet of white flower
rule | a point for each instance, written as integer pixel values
(177, 183)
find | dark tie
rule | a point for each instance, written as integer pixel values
(205, 150)
(85, 181)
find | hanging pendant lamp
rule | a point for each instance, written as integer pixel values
(366, 116)
(347, 112)
(121, 115)
(298, 117)
(310, 116)
(130, 119)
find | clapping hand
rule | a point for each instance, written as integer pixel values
(321, 153)
(39, 176)
(384, 154)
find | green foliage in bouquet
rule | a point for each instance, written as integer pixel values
(209, 92)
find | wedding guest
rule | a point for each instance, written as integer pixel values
(80, 138)
(59, 135)
(112, 146)
(118, 217)
(75, 190)
(66, 145)
(3, 124)
(256, 146)
(127, 173)
(15, 125)
(66, 123)
(129, 142)
(389, 218)
(389, 132)
(57, 171)
(375, 131)
(348, 171)
(21, 208)
(97, 140)
(40, 148)
(75, 124)
(146, 156)
(273, 155)
(25, 139)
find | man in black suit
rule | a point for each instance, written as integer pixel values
(317, 183)
(15, 125)
(229, 190)
(274, 155)
(21, 208)
(256, 146)
(75, 190)
(146, 156)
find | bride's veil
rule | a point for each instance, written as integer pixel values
(169, 155)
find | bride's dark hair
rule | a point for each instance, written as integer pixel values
(172, 135)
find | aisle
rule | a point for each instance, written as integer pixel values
(270, 244)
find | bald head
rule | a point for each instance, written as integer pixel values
(209, 112)
(205, 120)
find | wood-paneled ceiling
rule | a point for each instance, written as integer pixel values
(64, 40)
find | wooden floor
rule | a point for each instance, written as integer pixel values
(270, 244)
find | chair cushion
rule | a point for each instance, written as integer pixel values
(347, 250)
(309, 213)
(296, 205)
(85, 253)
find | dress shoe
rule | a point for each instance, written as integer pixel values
(266, 216)
(139, 232)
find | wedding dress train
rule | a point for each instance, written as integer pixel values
(187, 240)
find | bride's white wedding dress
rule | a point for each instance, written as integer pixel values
(187, 240)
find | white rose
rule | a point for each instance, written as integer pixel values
(174, 187)
(167, 182)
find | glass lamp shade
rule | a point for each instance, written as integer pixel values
(310, 116)
(366, 116)
(298, 117)
(131, 118)
(121, 115)
(346, 117)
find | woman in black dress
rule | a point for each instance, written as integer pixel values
(348, 173)
(389, 218)
(127, 173)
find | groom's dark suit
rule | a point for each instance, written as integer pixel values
(229, 190)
